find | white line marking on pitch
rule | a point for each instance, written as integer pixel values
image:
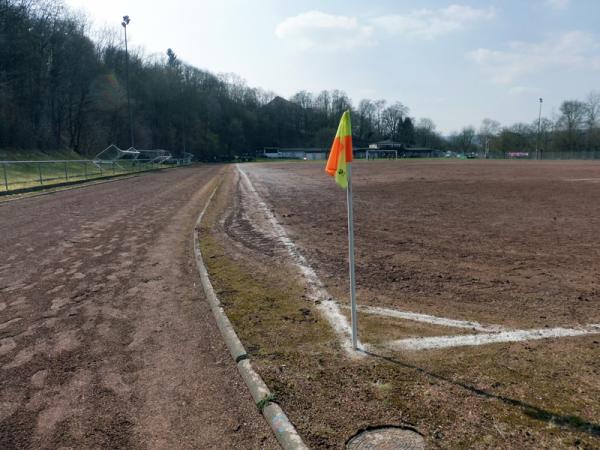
(317, 291)
(427, 343)
(331, 310)
(417, 317)
(593, 180)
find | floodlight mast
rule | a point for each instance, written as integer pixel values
(124, 24)
(537, 144)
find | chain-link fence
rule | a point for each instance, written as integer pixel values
(547, 155)
(576, 155)
(21, 175)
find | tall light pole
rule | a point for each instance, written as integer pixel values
(537, 145)
(124, 24)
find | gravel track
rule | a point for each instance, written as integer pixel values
(106, 341)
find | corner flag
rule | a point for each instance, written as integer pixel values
(341, 152)
(338, 166)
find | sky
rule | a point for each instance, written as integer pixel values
(455, 62)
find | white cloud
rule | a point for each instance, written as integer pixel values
(314, 29)
(558, 4)
(570, 50)
(429, 24)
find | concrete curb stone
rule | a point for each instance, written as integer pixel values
(284, 431)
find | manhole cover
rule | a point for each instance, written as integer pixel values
(387, 439)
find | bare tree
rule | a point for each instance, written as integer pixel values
(236, 86)
(466, 139)
(392, 119)
(425, 132)
(264, 96)
(340, 102)
(592, 110)
(488, 130)
(571, 121)
(303, 98)
(572, 114)
(379, 107)
(366, 117)
(546, 130)
(592, 119)
(323, 103)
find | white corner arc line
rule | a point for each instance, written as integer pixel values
(427, 343)
(435, 320)
(317, 291)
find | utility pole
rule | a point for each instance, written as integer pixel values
(537, 145)
(125, 22)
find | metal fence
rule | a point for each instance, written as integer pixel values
(18, 175)
(576, 155)
(548, 155)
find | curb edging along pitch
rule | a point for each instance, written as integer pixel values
(283, 429)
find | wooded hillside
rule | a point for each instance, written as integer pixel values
(59, 89)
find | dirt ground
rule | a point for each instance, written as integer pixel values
(105, 338)
(477, 240)
(504, 243)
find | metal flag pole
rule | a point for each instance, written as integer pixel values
(351, 259)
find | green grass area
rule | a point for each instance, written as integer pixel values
(264, 313)
(38, 155)
(23, 175)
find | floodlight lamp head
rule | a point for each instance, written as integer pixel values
(126, 21)
(541, 99)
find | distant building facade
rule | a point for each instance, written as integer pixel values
(405, 151)
(359, 153)
(296, 153)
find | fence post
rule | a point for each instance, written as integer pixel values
(66, 172)
(40, 172)
(85, 170)
(5, 177)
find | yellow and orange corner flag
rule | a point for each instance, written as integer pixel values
(338, 166)
(341, 152)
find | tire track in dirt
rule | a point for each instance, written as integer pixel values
(247, 227)
(103, 342)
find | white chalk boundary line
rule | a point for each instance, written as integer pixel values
(593, 180)
(489, 334)
(317, 291)
(427, 343)
(435, 320)
(284, 430)
(331, 310)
